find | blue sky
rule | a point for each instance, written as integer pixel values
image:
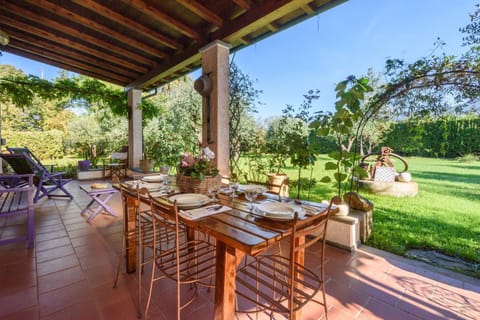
(324, 50)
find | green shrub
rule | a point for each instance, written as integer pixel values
(43, 144)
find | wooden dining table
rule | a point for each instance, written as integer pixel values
(238, 232)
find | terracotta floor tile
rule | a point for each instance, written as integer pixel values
(59, 299)
(25, 314)
(16, 252)
(14, 302)
(17, 276)
(123, 309)
(55, 265)
(51, 235)
(79, 311)
(341, 296)
(60, 279)
(48, 228)
(54, 253)
(49, 244)
(376, 309)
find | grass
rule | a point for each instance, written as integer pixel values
(444, 216)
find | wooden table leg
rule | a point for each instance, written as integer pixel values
(129, 219)
(227, 260)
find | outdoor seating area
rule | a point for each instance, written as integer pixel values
(69, 275)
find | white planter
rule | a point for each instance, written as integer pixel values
(343, 209)
(90, 174)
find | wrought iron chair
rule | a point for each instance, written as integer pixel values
(144, 235)
(278, 284)
(15, 201)
(277, 189)
(46, 181)
(190, 262)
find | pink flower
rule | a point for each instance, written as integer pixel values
(184, 164)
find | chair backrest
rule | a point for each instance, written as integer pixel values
(28, 153)
(280, 190)
(19, 163)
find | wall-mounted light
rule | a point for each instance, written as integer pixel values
(4, 38)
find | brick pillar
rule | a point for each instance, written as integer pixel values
(215, 134)
(135, 141)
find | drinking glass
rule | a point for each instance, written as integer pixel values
(167, 183)
(251, 196)
(234, 189)
(212, 191)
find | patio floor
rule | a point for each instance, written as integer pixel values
(69, 275)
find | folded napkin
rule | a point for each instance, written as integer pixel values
(194, 214)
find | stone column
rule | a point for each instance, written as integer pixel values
(215, 134)
(135, 141)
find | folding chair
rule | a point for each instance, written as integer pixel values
(46, 182)
(21, 150)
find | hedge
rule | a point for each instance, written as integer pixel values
(44, 144)
(446, 138)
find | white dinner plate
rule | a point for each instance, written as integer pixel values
(279, 210)
(190, 200)
(245, 187)
(149, 186)
(155, 178)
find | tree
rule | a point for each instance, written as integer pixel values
(178, 128)
(243, 129)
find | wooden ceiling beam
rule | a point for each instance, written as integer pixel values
(244, 4)
(32, 16)
(42, 45)
(129, 23)
(257, 17)
(71, 44)
(308, 9)
(71, 63)
(97, 27)
(162, 18)
(61, 65)
(202, 11)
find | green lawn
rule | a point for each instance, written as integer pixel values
(445, 214)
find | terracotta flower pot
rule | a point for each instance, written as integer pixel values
(146, 165)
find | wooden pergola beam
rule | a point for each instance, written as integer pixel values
(117, 80)
(32, 16)
(202, 11)
(163, 18)
(244, 4)
(41, 33)
(45, 47)
(129, 23)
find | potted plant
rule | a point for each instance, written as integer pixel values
(90, 158)
(341, 124)
(197, 173)
(147, 162)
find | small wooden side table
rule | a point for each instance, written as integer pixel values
(99, 196)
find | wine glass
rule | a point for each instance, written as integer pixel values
(212, 191)
(251, 195)
(234, 188)
(167, 183)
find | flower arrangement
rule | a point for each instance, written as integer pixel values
(198, 167)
